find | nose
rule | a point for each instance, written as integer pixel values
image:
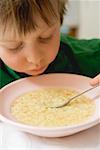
(33, 63)
(34, 57)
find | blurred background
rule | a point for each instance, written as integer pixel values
(82, 19)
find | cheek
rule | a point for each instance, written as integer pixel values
(54, 48)
(13, 61)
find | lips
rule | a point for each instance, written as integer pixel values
(38, 69)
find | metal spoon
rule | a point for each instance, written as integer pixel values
(73, 98)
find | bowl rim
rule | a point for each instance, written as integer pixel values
(86, 123)
(43, 75)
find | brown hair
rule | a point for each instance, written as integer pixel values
(22, 14)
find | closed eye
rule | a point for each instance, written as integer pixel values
(45, 39)
(19, 47)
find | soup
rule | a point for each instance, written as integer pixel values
(34, 108)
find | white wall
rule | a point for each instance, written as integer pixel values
(85, 14)
(72, 16)
(89, 19)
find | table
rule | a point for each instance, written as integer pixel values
(12, 139)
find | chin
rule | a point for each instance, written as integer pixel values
(33, 74)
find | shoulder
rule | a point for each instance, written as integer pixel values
(6, 74)
(84, 46)
(83, 51)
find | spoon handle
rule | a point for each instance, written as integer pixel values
(76, 96)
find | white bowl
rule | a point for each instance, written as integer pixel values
(77, 82)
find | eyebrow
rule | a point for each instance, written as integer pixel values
(49, 29)
(18, 42)
(6, 46)
(10, 41)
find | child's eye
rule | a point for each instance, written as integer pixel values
(16, 49)
(45, 40)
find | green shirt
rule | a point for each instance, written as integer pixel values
(75, 56)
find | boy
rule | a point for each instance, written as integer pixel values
(30, 42)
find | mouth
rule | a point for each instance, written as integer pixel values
(36, 71)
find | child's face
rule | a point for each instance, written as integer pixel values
(33, 53)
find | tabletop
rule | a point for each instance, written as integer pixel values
(12, 139)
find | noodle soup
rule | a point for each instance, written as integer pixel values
(34, 108)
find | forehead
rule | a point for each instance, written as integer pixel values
(41, 29)
(35, 21)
